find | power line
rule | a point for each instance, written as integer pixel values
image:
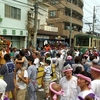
(88, 17)
(94, 3)
(87, 10)
(85, 20)
(24, 5)
(88, 4)
(97, 2)
(86, 28)
(27, 5)
(7, 2)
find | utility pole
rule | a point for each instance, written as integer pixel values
(35, 24)
(70, 34)
(93, 19)
(89, 26)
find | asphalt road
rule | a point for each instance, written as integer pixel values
(40, 95)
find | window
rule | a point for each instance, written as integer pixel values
(69, 0)
(54, 2)
(82, 41)
(52, 13)
(12, 12)
(51, 25)
(67, 11)
(67, 26)
(75, 2)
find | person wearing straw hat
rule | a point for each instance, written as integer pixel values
(84, 82)
(95, 84)
(69, 84)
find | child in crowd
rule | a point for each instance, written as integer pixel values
(32, 82)
(90, 97)
(3, 86)
(47, 77)
(55, 90)
(22, 59)
(20, 81)
(7, 71)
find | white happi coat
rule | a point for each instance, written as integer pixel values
(70, 87)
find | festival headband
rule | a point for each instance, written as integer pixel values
(61, 92)
(84, 77)
(67, 70)
(69, 57)
(95, 69)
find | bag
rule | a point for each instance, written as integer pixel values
(51, 71)
(51, 74)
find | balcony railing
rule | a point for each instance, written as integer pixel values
(49, 28)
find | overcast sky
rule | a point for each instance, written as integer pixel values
(88, 14)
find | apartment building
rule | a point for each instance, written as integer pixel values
(13, 17)
(60, 16)
(45, 32)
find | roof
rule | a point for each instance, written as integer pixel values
(87, 35)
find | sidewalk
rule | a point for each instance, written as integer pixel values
(40, 95)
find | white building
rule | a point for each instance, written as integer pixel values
(13, 17)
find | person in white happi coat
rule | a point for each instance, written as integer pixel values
(69, 84)
(95, 84)
(59, 65)
(84, 81)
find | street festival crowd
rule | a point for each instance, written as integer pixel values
(77, 73)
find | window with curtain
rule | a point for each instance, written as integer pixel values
(12, 12)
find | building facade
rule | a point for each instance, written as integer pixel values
(42, 15)
(44, 32)
(13, 17)
(67, 16)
